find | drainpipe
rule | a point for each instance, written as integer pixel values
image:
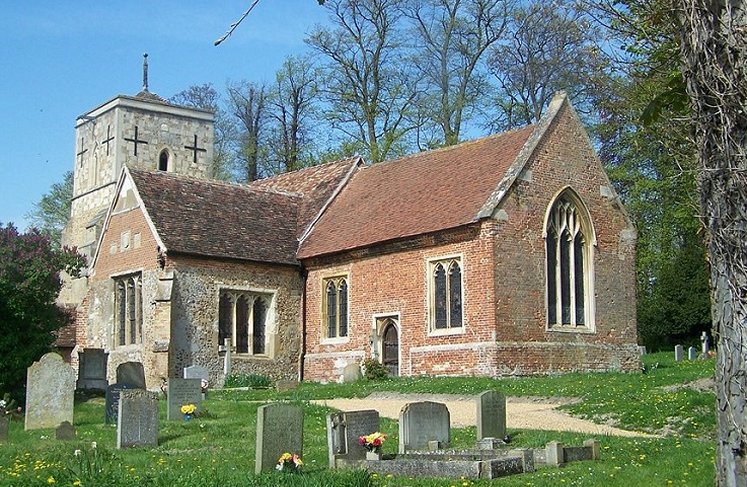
(302, 355)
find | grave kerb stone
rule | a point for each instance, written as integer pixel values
(279, 430)
(137, 419)
(182, 392)
(50, 385)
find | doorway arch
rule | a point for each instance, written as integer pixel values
(390, 346)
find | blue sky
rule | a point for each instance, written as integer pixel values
(60, 59)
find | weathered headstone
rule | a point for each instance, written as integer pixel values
(279, 430)
(421, 423)
(181, 392)
(111, 403)
(286, 385)
(642, 350)
(137, 419)
(343, 430)
(692, 353)
(705, 346)
(491, 415)
(50, 384)
(679, 352)
(131, 374)
(65, 431)
(92, 369)
(351, 373)
(4, 427)
(198, 372)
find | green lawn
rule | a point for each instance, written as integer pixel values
(218, 448)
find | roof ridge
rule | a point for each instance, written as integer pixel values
(215, 182)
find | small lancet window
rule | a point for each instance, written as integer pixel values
(163, 161)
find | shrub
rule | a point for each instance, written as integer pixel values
(375, 370)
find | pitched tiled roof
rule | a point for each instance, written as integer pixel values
(418, 194)
(316, 184)
(220, 219)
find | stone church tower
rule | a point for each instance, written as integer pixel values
(142, 131)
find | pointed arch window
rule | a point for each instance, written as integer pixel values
(335, 307)
(446, 309)
(163, 160)
(128, 315)
(245, 319)
(569, 250)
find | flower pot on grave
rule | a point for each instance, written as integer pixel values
(187, 417)
(373, 455)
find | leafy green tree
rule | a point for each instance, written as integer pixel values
(30, 268)
(51, 213)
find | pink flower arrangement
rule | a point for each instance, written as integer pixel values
(372, 442)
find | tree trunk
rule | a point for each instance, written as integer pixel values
(714, 51)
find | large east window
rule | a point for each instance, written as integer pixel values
(445, 294)
(128, 306)
(335, 307)
(569, 237)
(244, 319)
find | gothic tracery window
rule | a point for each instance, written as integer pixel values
(569, 256)
(335, 307)
(128, 317)
(446, 294)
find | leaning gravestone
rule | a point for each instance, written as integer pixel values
(137, 421)
(423, 425)
(279, 430)
(131, 374)
(351, 373)
(491, 415)
(50, 384)
(196, 372)
(111, 403)
(181, 392)
(692, 353)
(679, 351)
(343, 430)
(92, 369)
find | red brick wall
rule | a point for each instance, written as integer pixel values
(503, 263)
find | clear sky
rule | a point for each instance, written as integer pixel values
(60, 59)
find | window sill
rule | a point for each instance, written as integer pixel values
(571, 329)
(334, 341)
(439, 332)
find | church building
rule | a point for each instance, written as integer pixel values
(510, 254)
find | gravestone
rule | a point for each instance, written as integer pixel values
(131, 374)
(50, 384)
(351, 373)
(111, 402)
(227, 357)
(705, 346)
(65, 431)
(421, 424)
(286, 385)
(343, 430)
(491, 415)
(92, 369)
(279, 430)
(181, 392)
(137, 418)
(692, 353)
(679, 352)
(4, 427)
(198, 372)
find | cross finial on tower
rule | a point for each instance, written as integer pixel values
(145, 72)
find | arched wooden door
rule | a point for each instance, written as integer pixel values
(390, 347)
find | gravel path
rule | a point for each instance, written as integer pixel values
(521, 413)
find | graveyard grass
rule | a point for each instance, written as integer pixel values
(217, 449)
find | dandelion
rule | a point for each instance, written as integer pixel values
(76, 483)
(51, 480)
